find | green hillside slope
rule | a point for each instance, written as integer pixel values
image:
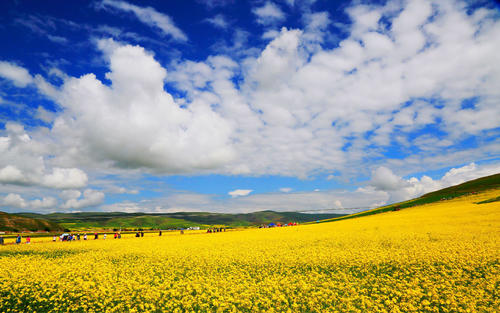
(16, 223)
(469, 187)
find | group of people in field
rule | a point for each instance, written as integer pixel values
(117, 235)
(72, 237)
(215, 230)
(18, 240)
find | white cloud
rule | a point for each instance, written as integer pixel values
(400, 189)
(22, 162)
(122, 190)
(57, 39)
(18, 75)
(127, 207)
(16, 201)
(239, 192)
(70, 194)
(62, 178)
(218, 21)
(148, 16)
(384, 179)
(44, 115)
(44, 203)
(315, 28)
(286, 189)
(11, 175)
(136, 124)
(269, 13)
(299, 108)
(270, 34)
(90, 198)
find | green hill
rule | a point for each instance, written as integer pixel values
(469, 187)
(16, 223)
(120, 220)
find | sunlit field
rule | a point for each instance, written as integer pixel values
(441, 257)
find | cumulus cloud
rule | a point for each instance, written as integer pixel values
(11, 175)
(269, 13)
(239, 192)
(70, 194)
(44, 115)
(22, 162)
(44, 203)
(323, 109)
(384, 179)
(136, 124)
(299, 108)
(65, 178)
(18, 75)
(400, 189)
(148, 16)
(13, 200)
(90, 198)
(16, 201)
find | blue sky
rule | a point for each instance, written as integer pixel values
(240, 106)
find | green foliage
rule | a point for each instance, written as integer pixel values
(489, 200)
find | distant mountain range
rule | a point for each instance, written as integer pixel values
(133, 221)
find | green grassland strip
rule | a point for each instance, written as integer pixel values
(489, 200)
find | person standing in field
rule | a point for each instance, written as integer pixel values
(104, 236)
(18, 239)
(159, 234)
(84, 236)
(96, 236)
(119, 235)
(28, 240)
(54, 238)
(1, 241)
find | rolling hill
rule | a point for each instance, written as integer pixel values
(16, 223)
(120, 220)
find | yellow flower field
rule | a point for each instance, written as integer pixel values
(441, 257)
